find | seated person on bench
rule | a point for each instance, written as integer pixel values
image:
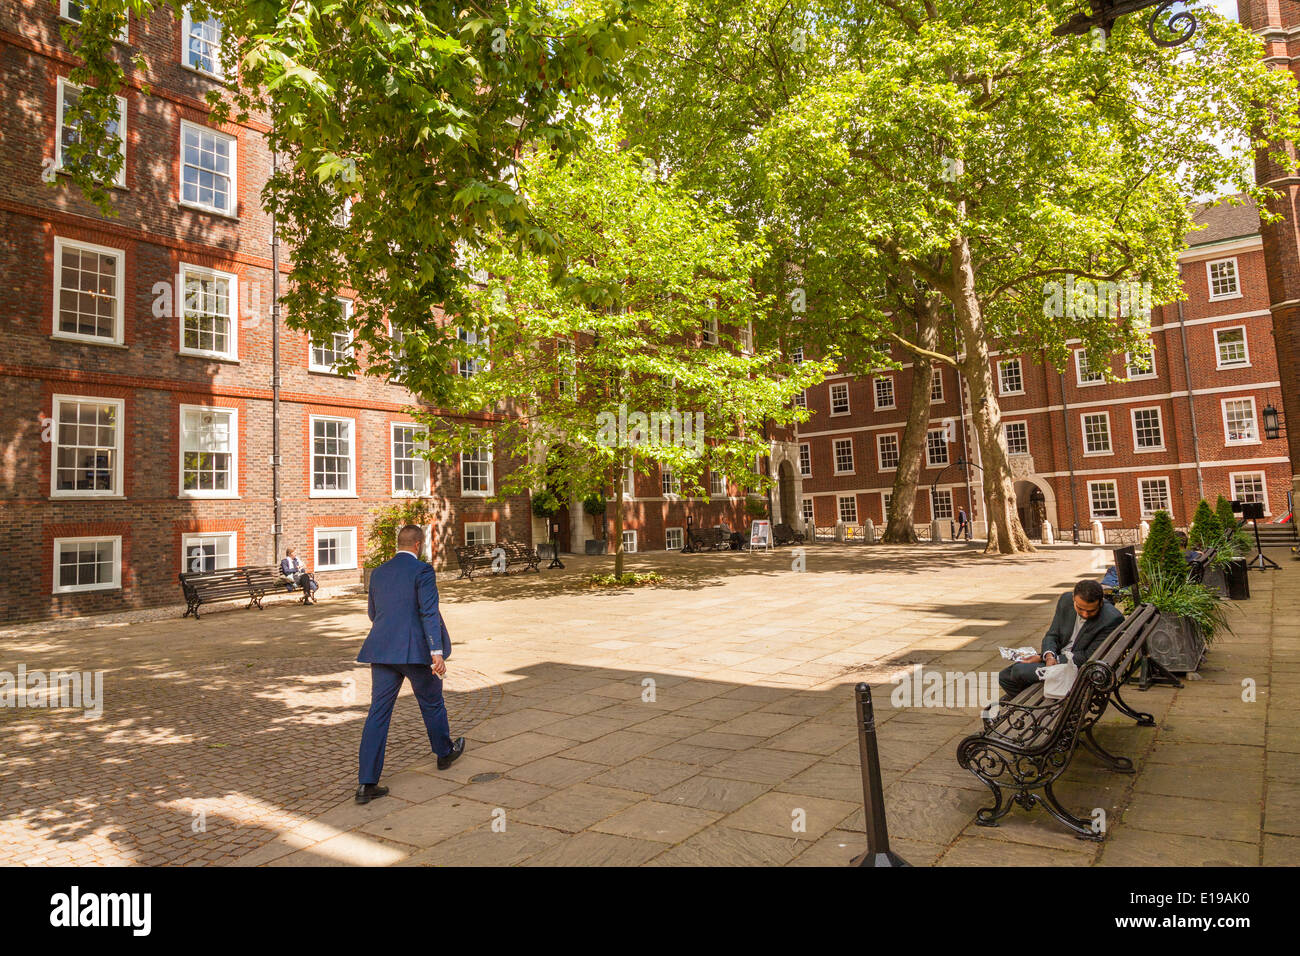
(295, 573)
(1081, 623)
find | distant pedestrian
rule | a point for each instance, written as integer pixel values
(963, 524)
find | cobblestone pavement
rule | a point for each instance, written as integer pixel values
(707, 720)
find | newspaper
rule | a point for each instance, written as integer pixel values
(1017, 654)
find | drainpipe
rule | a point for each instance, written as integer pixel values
(1191, 396)
(1069, 458)
(276, 528)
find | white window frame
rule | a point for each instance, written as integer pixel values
(1160, 419)
(490, 525)
(232, 306)
(187, 23)
(117, 490)
(231, 536)
(801, 400)
(1236, 279)
(717, 484)
(880, 451)
(806, 510)
(835, 456)
(847, 407)
(681, 541)
(936, 378)
(673, 480)
(929, 459)
(119, 332)
(886, 497)
(1083, 434)
(64, 14)
(1003, 364)
(875, 393)
(317, 533)
(1149, 373)
(1169, 496)
(114, 585)
(709, 330)
(313, 491)
(629, 483)
(332, 369)
(633, 549)
(1263, 480)
(805, 455)
(1023, 423)
(1078, 371)
(491, 474)
(747, 339)
(468, 368)
(1219, 364)
(1254, 414)
(839, 508)
(422, 469)
(935, 494)
(796, 355)
(1092, 512)
(232, 212)
(64, 84)
(233, 491)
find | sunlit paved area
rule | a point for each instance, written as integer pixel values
(705, 721)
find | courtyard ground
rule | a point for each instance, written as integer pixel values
(708, 720)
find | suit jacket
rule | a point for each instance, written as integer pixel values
(1090, 636)
(291, 568)
(407, 626)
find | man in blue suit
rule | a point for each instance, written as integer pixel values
(407, 640)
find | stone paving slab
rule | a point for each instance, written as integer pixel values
(707, 721)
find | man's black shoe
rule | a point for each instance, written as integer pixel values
(457, 748)
(370, 791)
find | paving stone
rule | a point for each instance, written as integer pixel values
(487, 847)
(645, 775)
(724, 846)
(651, 820)
(777, 814)
(597, 849)
(713, 793)
(576, 808)
(1127, 846)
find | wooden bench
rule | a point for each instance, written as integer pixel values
(709, 539)
(1029, 744)
(502, 556)
(784, 534)
(268, 580)
(1196, 569)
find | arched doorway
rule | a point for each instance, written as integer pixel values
(1035, 503)
(789, 511)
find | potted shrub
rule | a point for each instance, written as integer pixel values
(546, 504)
(1190, 614)
(594, 505)
(1206, 534)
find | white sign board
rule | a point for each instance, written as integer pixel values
(760, 535)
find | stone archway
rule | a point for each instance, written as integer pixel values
(1035, 503)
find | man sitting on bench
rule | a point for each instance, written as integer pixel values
(1082, 621)
(295, 574)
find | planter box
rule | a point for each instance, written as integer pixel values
(546, 551)
(1215, 581)
(1177, 644)
(596, 546)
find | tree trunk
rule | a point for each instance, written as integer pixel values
(618, 514)
(902, 502)
(1006, 536)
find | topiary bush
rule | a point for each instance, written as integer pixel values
(1162, 555)
(1206, 531)
(1238, 541)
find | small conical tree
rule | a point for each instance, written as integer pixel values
(1223, 508)
(1206, 531)
(1238, 539)
(1162, 555)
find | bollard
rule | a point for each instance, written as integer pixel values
(873, 791)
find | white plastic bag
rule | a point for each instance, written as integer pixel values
(1058, 678)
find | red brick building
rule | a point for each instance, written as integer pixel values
(1277, 22)
(1083, 448)
(136, 381)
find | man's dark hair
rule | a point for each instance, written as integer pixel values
(1089, 590)
(411, 536)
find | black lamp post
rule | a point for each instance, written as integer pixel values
(1272, 422)
(1102, 14)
